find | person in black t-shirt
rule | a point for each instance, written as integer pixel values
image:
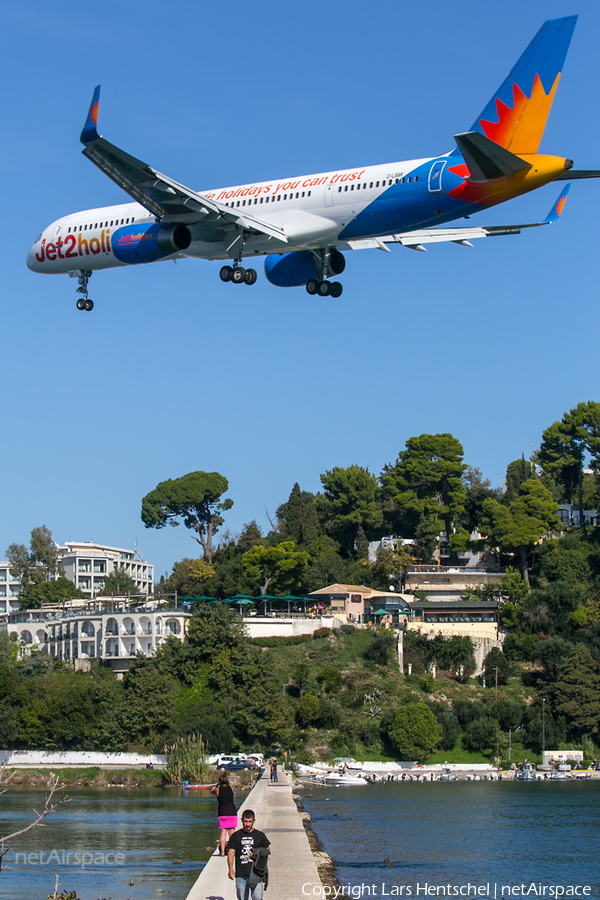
(243, 845)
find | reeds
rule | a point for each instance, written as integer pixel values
(186, 760)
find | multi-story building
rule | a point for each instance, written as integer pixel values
(114, 635)
(9, 590)
(87, 564)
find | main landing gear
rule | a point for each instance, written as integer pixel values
(83, 302)
(324, 288)
(238, 275)
(328, 261)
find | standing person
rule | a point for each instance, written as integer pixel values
(274, 770)
(226, 812)
(243, 846)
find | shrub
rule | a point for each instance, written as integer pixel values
(308, 709)
(480, 734)
(282, 640)
(330, 677)
(380, 648)
(321, 633)
(329, 715)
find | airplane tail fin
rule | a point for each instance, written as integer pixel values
(516, 115)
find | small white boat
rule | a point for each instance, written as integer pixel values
(344, 778)
(525, 772)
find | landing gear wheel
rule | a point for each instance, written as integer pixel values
(226, 273)
(312, 286)
(251, 276)
(336, 289)
(89, 305)
(81, 303)
(324, 288)
(238, 275)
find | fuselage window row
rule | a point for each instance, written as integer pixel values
(73, 228)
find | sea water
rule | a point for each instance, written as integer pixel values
(103, 839)
(486, 839)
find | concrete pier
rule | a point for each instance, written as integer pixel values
(291, 863)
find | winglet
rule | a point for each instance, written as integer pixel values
(557, 209)
(89, 132)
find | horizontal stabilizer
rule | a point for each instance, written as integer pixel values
(486, 159)
(459, 234)
(576, 174)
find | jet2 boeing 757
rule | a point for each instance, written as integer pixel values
(303, 225)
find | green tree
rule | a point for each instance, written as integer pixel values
(350, 507)
(213, 629)
(415, 731)
(151, 696)
(576, 692)
(566, 444)
(495, 660)
(35, 595)
(251, 536)
(480, 734)
(40, 563)
(478, 489)
(280, 566)
(427, 535)
(190, 576)
(517, 472)
(196, 499)
(298, 519)
(517, 527)
(426, 482)
(118, 583)
(308, 709)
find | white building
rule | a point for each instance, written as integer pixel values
(9, 590)
(87, 564)
(115, 637)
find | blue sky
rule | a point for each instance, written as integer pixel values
(174, 371)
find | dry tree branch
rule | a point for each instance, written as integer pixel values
(48, 809)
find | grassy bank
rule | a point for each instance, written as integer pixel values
(109, 778)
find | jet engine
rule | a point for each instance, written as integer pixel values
(147, 243)
(298, 267)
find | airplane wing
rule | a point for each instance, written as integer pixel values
(166, 199)
(461, 234)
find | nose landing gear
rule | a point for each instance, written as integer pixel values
(83, 302)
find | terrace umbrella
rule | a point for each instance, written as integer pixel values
(243, 602)
(265, 598)
(289, 598)
(380, 612)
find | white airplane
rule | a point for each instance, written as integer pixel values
(304, 224)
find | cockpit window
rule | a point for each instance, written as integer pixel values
(38, 239)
